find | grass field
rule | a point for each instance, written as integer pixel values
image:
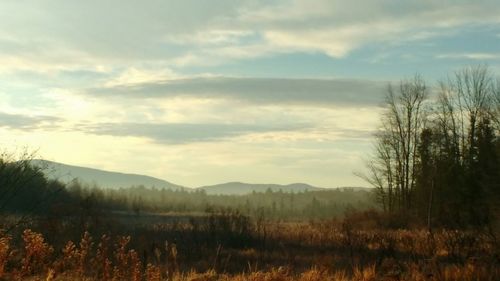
(233, 247)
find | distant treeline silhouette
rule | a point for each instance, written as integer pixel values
(270, 204)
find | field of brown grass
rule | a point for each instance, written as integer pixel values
(257, 251)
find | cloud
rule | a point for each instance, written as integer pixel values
(337, 33)
(62, 35)
(257, 90)
(357, 134)
(470, 56)
(28, 123)
(336, 28)
(179, 133)
(72, 34)
(133, 75)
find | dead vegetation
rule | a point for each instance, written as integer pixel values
(283, 251)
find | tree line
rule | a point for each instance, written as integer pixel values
(436, 152)
(270, 204)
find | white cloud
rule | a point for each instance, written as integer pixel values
(210, 37)
(338, 27)
(133, 75)
(335, 43)
(88, 34)
(471, 56)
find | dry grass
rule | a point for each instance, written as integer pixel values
(347, 254)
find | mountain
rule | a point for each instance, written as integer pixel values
(101, 178)
(240, 188)
(107, 179)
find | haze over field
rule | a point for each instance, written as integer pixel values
(201, 93)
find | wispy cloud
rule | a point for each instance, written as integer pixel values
(178, 31)
(179, 133)
(133, 75)
(256, 90)
(471, 56)
(28, 123)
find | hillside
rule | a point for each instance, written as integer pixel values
(105, 179)
(108, 179)
(240, 188)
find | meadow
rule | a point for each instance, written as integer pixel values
(231, 246)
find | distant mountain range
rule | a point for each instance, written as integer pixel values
(240, 188)
(107, 179)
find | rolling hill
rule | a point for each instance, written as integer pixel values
(105, 179)
(240, 188)
(108, 179)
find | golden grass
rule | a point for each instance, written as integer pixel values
(35, 259)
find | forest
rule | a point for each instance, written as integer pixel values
(437, 156)
(433, 212)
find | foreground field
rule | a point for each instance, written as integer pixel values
(231, 248)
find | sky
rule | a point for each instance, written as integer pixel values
(205, 92)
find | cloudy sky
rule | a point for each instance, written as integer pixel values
(204, 92)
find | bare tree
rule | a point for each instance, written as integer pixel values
(393, 168)
(496, 103)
